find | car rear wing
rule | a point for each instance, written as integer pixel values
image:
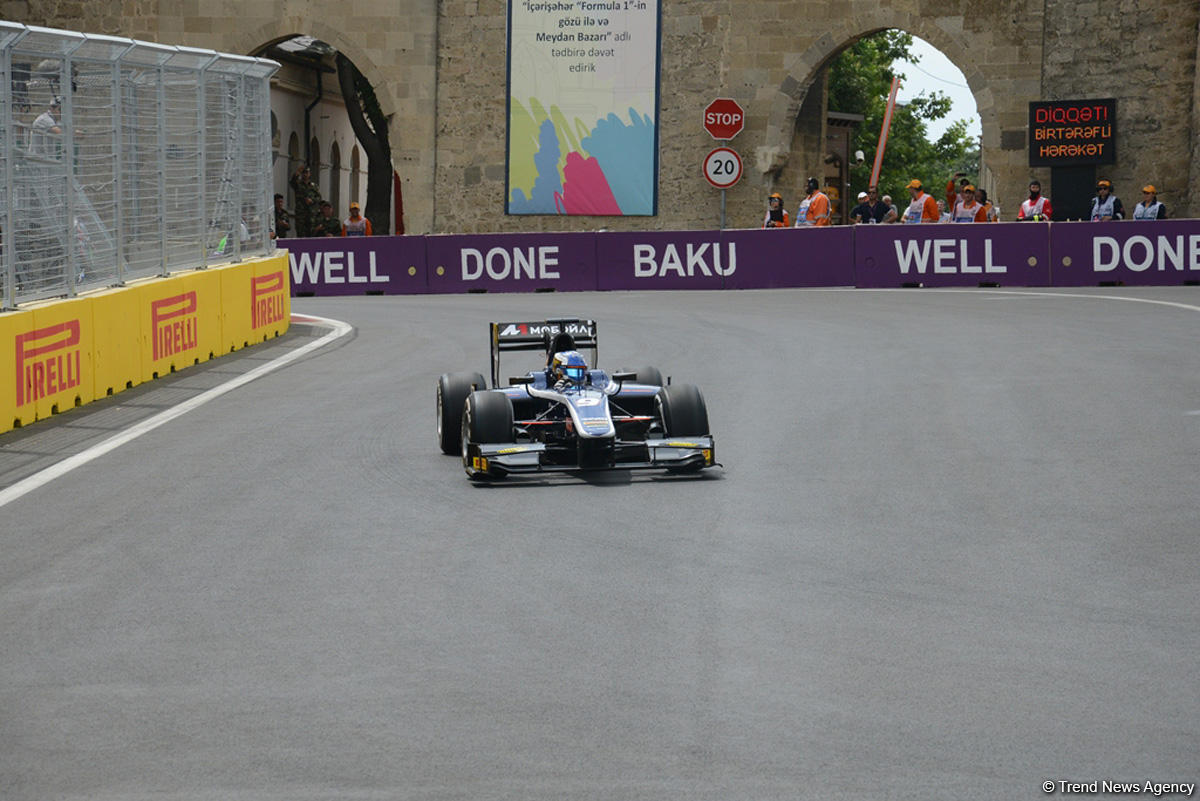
(541, 335)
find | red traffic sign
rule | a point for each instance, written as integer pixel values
(723, 118)
(723, 167)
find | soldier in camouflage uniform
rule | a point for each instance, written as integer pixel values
(326, 224)
(308, 200)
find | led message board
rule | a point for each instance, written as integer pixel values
(1065, 133)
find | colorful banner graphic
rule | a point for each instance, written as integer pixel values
(583, 107)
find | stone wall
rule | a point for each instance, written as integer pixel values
(439, 68)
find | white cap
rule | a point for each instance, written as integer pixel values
(861, 195)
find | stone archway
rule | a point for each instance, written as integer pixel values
(803, 69)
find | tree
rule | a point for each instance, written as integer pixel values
(860, 79)
(371, 130)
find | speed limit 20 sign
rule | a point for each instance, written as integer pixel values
(723, 167)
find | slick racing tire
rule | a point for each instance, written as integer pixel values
(681, 411)
(452, 392)
(487, 418)
(648, 375)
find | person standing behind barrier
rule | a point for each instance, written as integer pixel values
(776, 216)
(1149, 208)
(326, 224)
(815, 208)
(46, 135)
(355, 224)
(991, 213)
(893, 214)
(954, 194)
(968, 209)
(283, 220)
(943, 215)
(923, 208)
(1105, 205)
(1036, 206)
(308, 201)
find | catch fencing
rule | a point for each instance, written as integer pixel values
(123, 159)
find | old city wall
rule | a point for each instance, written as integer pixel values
(439, 69)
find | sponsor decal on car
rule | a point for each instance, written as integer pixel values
(541, 329)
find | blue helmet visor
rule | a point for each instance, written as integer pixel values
(575, 373)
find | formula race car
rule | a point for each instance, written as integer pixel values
(568, 416)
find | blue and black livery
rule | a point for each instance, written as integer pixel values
(568, 415)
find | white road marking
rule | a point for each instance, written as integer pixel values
(43, 477)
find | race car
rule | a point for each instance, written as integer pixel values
(567, 415)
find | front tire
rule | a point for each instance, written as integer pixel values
(681, 411)
(452, 392)
(487, 418)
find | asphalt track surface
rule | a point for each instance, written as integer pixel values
(954, 553)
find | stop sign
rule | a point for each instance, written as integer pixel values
(723, 118)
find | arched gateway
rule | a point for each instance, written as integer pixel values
(439, 70)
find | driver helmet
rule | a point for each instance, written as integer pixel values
(569, 365)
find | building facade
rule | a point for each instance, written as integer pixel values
(439, 71)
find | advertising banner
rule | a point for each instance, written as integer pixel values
(950, 254)
(1146, 253)
(511, 262)
(583, 107)
(357, 265)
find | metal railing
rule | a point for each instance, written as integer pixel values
(122, 159)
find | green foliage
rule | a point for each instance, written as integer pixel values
(860, 79)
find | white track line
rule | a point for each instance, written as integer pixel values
(42, 477)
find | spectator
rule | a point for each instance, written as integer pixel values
(815, 208)
(1149, 208)
(873, 210)
(860, 212)
(943, 215)
(893, 214)
(923, 208)
(355, 224)
(969, 209)
(992, 212)
(283, 220)
(776, 216)
(1105, 205)
(326, 224)
(308, 201)
(1036, 206)
(44, 140)
(954, 195)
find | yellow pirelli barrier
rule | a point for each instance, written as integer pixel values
(117, 360)
(59, 354)
(256, 304)
(54, 360)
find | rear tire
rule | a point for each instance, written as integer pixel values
(681, 411)
(452, 392)
(487, 418)
(648, 375)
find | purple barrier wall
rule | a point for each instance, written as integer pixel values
(684, 260)
(353, 265)
(1007, 254)
(1146, 253)
(511, 262)
(950, 254)
(793, 257)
